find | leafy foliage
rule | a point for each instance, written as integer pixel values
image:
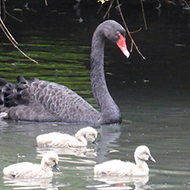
(102, 1)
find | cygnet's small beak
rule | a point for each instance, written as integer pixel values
(152, 159)
(56, 167)
(95, 142)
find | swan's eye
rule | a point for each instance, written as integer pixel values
(123, 33)
(115, 39)
(118, 33)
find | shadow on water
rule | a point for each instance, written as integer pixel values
(153, 96)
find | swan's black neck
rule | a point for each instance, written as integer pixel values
(109, 110)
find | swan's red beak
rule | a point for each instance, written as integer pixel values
(122, 45)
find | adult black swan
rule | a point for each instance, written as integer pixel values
(41, 101)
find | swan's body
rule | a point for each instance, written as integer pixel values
(40, 100)
(56, 139)
(30, 170)
(118, 167)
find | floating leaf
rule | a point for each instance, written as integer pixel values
(111, 151)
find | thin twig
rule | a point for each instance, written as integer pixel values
(107, 12)
(129, 31)
(144, 18)
(13, 17)
(186, 3)
(12, 40)
(7, 32)
(0, 7)
(99, 9)
(136, 31)
(4, 9)
(46, 3)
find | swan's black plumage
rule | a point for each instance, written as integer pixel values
(39, 100)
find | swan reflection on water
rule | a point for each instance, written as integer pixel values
(42, 183)
(79, 152)
(73, 162)
(121, 182)
(35, 183)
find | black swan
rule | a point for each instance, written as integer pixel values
(44, 101)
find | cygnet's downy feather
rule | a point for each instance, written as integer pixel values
(56, 139)
(118, 167)
(30, 170)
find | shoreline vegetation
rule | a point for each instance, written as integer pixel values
(105, 8)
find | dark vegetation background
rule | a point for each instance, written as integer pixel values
(165, 44)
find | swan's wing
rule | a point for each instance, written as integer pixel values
(18, 170)
(57, 140)
(47, 101)
(58, 99)
(33, 111)
(27, 170)
(114, 167)
(46, 139)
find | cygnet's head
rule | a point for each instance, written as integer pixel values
(142, 153)
(89, 133)
(50, 159)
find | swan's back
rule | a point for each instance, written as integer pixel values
(115, 167)
(26, 170)
(16, 171)
(56, 139)
(40, 100)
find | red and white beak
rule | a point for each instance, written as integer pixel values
(122, 45)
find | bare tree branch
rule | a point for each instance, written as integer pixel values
(133, 42)
(11, 38)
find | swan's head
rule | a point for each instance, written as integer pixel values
(50, 159)
(114, 32)
(143, 153)
(89, 133)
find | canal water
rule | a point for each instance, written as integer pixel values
(153, 96)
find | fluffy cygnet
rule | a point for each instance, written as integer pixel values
(56, 139)
(118, 167)
(30, 170)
